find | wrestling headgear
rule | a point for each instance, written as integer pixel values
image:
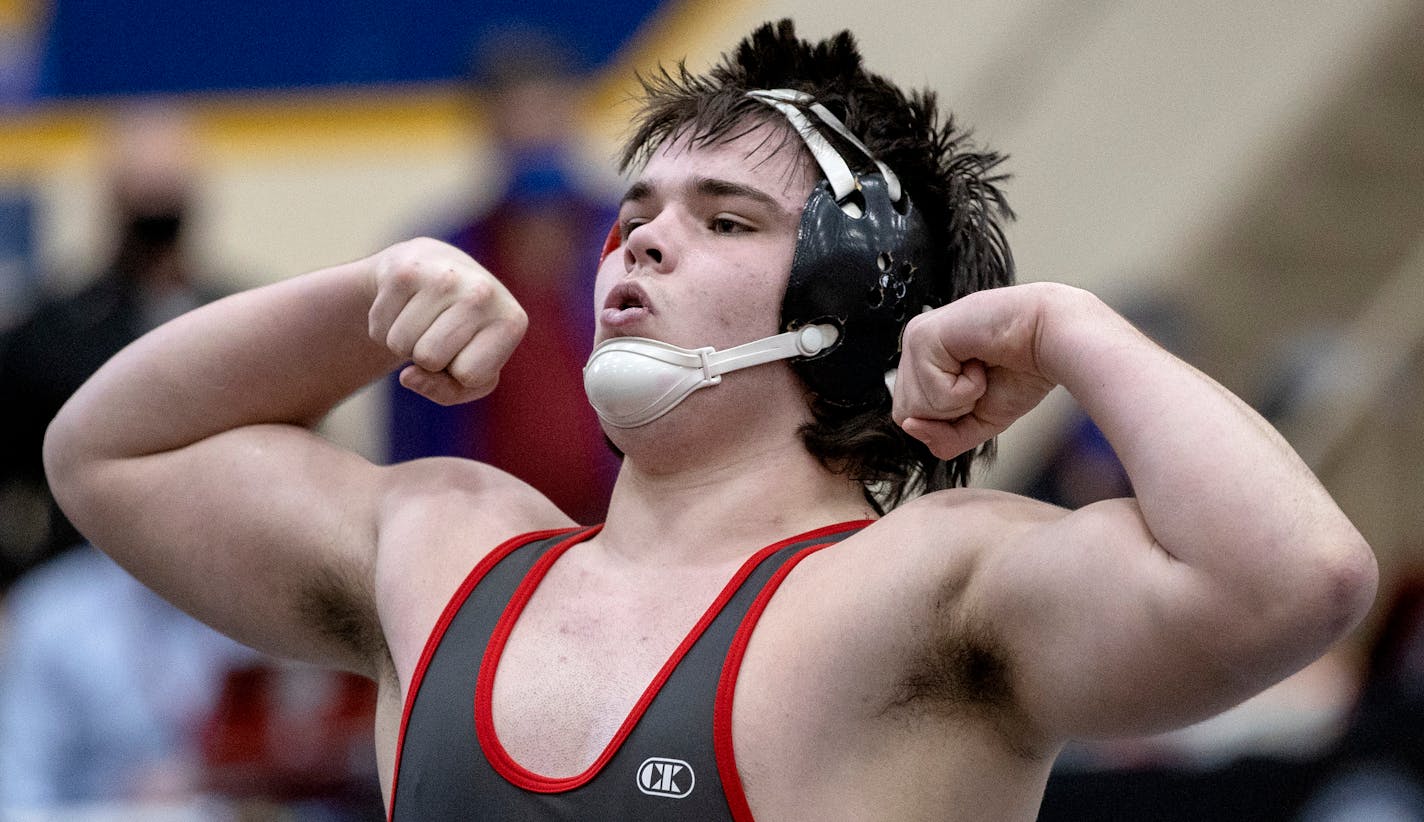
(862, 267)
(864, 264)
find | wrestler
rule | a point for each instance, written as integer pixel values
(793, 609)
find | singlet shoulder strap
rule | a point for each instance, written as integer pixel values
(503, 569)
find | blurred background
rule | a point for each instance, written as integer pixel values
(1243, 178)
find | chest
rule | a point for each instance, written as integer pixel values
(583, 660)
(562, 664)
(587, 697)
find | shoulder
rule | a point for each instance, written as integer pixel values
(437, 519)
(448, 512)
(949, 527)
(459, 489)
(914, 563)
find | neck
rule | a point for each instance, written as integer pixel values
(721, 509)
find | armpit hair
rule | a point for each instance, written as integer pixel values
(340, 603)
(961, 666)
(962, 673)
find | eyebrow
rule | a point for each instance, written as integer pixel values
(709, 187)
(637, 192)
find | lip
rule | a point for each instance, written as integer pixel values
(625, 296)
(623, 317)
(627, 303)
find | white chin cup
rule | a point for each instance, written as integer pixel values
(631, 381)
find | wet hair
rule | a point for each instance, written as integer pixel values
(953, 183)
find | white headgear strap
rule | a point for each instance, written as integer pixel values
(832, 164)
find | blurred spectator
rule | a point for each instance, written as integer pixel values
(295, 736)
(17, 235)
(111, 697)
(541, 237)
(108, 693)
(103, 687)
(149, 278)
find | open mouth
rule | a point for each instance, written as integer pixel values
(626, 297)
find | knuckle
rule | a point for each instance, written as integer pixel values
(915, 331)
(517, 322)
(444, 280)
(486, 385)
(415, 248)
(426, 358)
(474, 381)
(401, 275)
(397, 343)
(479, 292)
(466, 374)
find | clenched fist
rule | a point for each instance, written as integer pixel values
(445, 313)
(969, 369)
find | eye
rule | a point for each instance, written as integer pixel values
(626, 226)
(727, 225)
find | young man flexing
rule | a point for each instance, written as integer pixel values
(789, 612)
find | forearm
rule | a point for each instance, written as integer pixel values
(284, 353)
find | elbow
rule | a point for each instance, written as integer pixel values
(1303, 611)
(1329, 594)
(1349, 582)
(63, 459)
(57, 456)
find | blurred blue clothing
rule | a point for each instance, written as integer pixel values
(1376, 792)
(102, 683)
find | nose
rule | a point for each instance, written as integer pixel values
(650, 246)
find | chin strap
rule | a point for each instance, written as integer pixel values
(631, 381)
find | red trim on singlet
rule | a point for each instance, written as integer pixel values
(495, 753)
(457, 601)
(726, 687)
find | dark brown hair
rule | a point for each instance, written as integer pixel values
(950, 181)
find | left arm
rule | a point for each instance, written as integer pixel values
(1232, 568)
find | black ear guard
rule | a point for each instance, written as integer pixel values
(863, 263)
(867, 275)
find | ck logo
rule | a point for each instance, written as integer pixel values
(665, 777)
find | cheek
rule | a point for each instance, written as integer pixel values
(768, 278)
(609, 272)
(749, 298)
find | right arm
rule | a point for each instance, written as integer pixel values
(190, 457)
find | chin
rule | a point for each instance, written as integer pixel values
(708, 421)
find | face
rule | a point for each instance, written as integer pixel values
(708, 235)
